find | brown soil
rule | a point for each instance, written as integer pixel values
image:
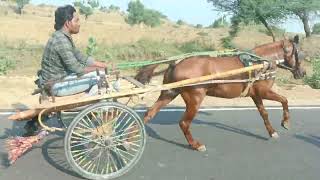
(15, 93)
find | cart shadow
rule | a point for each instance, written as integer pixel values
(53, 153)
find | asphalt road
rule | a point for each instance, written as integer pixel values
(238, 147)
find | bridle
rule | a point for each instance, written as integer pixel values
(295, 53)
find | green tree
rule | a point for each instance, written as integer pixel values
(92, 46)
(303, 9)
(138, 14)
(181, 22)
(259, 11)
(151, 18)
(220, 22)
(94, 3)
(316, 28)
(86, 11)
(21, 4)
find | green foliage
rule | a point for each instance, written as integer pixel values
(151, 18)
(6, 65)
(316, 29)
(94, 3)
(259, 11)
(221, 22)
(78, 3)
(227, 42)
(21, 4)
(138, 14)
(111, 8)
(193, 46)
(181, 22)
(314, 80)
(92, 46)
(199, 26)
(86, 11)
(86, 7)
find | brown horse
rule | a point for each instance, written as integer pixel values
(204, 65)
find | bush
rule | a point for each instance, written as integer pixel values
(199, 26)
(138, 14)
(221, 22)
(193, 46)
(5, 65)
(151, 18)
(314, 80)
(21, 4)
(227, 42)
(316, 29)
(180, 22)
(92, 47)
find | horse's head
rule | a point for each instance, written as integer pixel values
(293, 57)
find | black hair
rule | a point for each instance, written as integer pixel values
(63, 14)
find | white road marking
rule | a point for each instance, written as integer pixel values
(213, 109)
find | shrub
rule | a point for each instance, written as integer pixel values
(5, 65)
(138, 14)
(180, 22)
(21, 4)
(92, 46)
(221, 22)
(316, 29)
(314, 80)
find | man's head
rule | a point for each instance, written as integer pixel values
(67, 18)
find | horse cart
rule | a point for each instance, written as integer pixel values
(106, 138)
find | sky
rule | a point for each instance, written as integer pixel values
(191, 11)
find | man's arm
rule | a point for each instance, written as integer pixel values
(90, 63)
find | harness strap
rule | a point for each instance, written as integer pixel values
(245, 92)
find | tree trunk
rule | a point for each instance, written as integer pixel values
(266, 25)
(305, 20)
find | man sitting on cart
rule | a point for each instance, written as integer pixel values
(61, 60)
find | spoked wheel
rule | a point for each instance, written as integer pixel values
(105, 141)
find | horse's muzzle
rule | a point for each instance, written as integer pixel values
(299, 73)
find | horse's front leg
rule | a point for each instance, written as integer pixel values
(270, 95)
(264, 114)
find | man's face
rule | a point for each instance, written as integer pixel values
(74, 25)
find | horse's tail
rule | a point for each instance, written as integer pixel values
(145, 74)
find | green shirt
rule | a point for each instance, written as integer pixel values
(61, 58)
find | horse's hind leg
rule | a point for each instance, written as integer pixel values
(264, 114)
(270, 95)
(165, 98)
(193, 101)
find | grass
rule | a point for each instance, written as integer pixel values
(23, 59)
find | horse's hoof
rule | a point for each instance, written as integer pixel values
(275, 135)
(202, 148)
(285, 125)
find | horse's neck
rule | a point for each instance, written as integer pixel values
(270, 51)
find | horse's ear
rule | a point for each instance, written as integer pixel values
(296, 39)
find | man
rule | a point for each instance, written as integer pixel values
(61, 60)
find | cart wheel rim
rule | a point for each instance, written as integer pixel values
(105, 141)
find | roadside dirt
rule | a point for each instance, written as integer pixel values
(15, 92)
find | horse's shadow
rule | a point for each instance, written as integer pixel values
(175, 118)
(315, 140)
